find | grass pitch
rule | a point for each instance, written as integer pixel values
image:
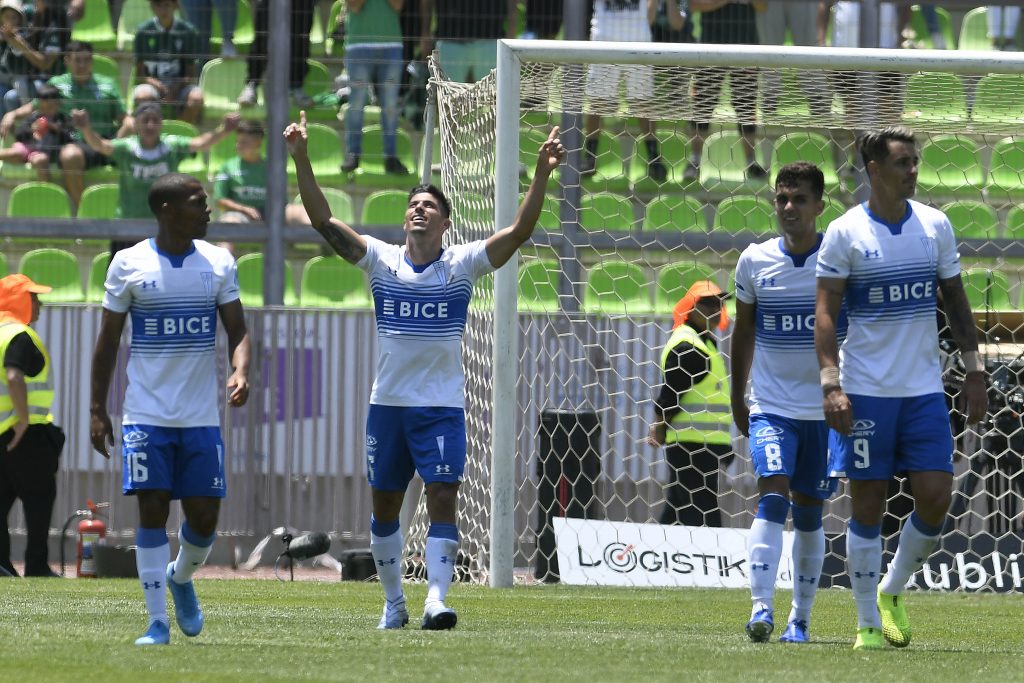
(82, 630)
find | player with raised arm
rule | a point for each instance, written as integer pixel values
(882, 389)
(174, 286)
(416, 422)
(773, 345)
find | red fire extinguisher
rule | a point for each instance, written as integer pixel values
(90, 532)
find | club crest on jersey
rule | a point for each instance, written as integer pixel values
(207, 277)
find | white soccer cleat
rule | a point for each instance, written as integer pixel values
(438, 617)
(395, 615)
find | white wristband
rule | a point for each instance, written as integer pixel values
(829, 378)
(972, 363)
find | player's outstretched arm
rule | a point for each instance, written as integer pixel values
(101, 432)
(504, 243)
(974, 396)
(838, 410)
(348, 244)
(232, 316)
(742, 349)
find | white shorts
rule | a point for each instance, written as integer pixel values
(603, 81)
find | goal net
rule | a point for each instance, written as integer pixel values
(563, 346)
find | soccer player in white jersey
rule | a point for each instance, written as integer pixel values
(174, 287)
(882, 390)
(416, 423)
(773, 345)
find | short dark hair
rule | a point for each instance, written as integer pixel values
(47, 92)
(250, 127)
(874, 146)
(168, 189)
(791, 174)
(148, 107)
(77, 46)
(430, 188)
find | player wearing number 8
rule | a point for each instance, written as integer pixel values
(882, 389)
(773, 345)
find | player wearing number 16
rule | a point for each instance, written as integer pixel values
(773, 345)
(882, 389)
(173, 286)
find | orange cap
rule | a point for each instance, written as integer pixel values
(699, 290)
(15, 301)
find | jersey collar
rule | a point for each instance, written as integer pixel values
(894, 228)
(799, 260)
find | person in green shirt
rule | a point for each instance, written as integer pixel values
(166, 48)
(240, 186)
(144, 157)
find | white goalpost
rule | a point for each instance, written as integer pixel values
(562, 346)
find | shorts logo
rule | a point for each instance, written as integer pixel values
(371, 440)
(135, 438)
(863, 425)
(768, 431)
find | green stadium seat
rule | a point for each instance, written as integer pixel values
(986, 288)
(105, 66)
(244, 29)
(371, 162)
(340, 203)
(950, 164)
(610, 172)
(221, 81)
(833, 210)
(675, 279)
(95, 27)
(675, 213)
(974, 31)
(196, 164)
(250, 281)
(924, 37)
(617, 288)
(723, 163)
(538, 286)
(1015, 223)
(999, 99)
(331, 282)
(934, 98)
(972, 219)
(318, 81)
(1006, 171)
(133, 14)
(810, 147)
(99, 201)
(95, 289)
(386, 207)
(745, 213)
(332, 47)
(606, 211)
(674, 149)
(55, 268)
(324, 154)
(39, 200)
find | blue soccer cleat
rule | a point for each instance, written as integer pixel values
(437, 617)
(186, 605)
(158, 633)
(761, 625)
(796, 632)
(395, 615)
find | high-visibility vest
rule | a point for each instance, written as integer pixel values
(705, 415)
(40, 387)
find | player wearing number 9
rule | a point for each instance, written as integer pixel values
(773, 345)
(882, 389)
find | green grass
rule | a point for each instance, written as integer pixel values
(78, 630)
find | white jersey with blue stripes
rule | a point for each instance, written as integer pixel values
(784, 372)
(421, 315)
(891, 272)
(172, 304)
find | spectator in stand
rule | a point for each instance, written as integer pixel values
(143, 92)
(79, 87)
(543, 19)
(49, 33)
(256, 64)
(40, 137)
(166, 48)
(373, 54)
(200, 14)
(467, 33)
(240, 186)
(15, 67)
(144, 157)
(726, 23)
(1002, 26)
(800, 18)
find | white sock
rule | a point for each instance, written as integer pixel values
(387, 555)
(152, 566)
(808, 558)
(864, 564)
(764, 548)
(441, 555)
(914, 548)
(190, 558)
